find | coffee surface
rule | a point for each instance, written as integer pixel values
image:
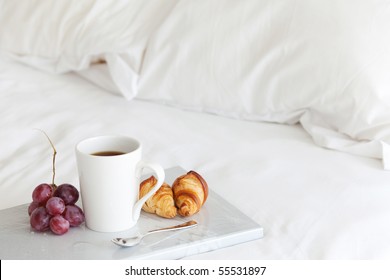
(108, 153)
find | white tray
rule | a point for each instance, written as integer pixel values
(220, 225)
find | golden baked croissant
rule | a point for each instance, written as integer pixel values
(161, 202)
(190, 192)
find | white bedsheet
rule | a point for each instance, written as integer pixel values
(322, 64)
(313, 203)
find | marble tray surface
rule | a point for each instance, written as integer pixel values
(220, 224)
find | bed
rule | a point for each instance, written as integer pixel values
(283, 107)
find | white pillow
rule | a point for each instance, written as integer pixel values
(322, 63)
(70, 35)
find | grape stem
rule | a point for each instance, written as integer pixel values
(54, 155)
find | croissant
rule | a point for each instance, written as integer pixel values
(161, 202)
(190, 192)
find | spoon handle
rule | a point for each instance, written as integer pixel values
(189, 224)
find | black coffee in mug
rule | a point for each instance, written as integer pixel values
(108, 153)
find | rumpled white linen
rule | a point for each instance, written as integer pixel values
(319, 63)
(313, 203)
(322, 64)
(63, 36)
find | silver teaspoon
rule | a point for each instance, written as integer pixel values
(133, 241)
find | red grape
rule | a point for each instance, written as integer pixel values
(40, 219)
(42, 193)
(55, 206)
(74, 215)
(59, 225)
(33, 205)
(68, 193)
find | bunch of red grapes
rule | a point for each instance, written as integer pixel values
(54, 208)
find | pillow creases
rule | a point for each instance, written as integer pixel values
(323, 64)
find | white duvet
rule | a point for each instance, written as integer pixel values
(313, 203)
(281, 79)
(319, 63)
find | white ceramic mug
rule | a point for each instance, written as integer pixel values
(109, 184)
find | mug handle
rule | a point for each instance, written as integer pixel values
(160, 174)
